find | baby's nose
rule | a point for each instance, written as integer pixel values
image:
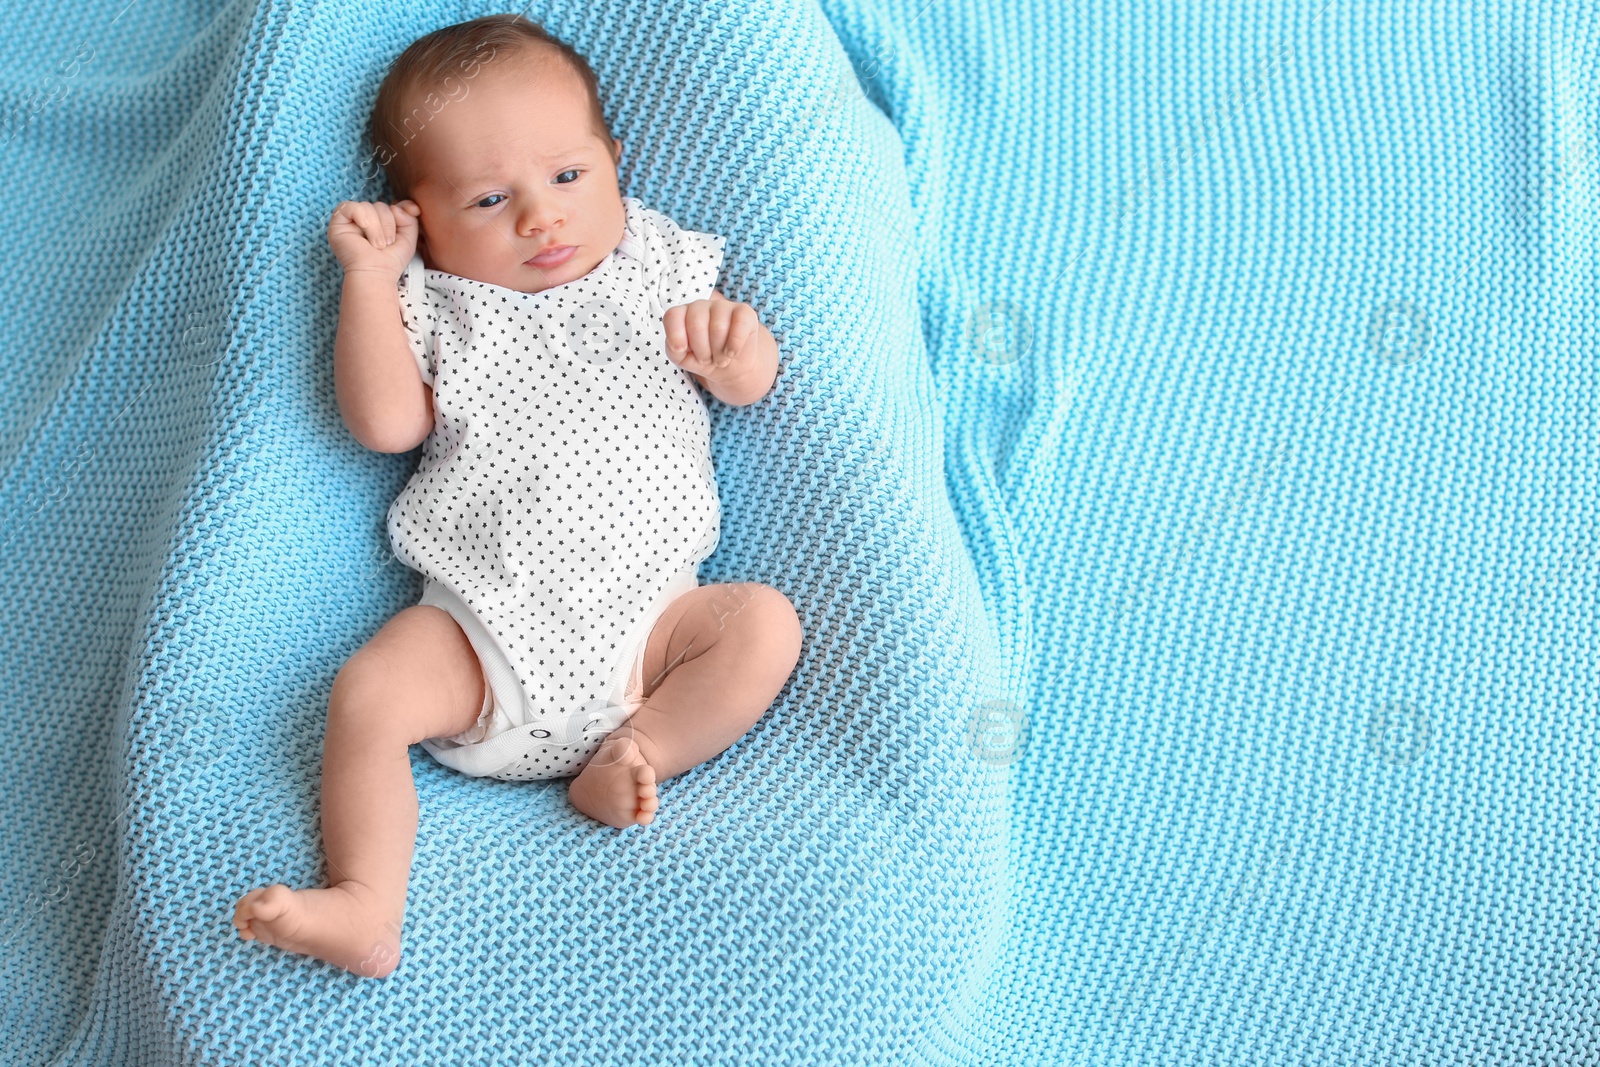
(537, 217)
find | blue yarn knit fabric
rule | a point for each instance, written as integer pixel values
(1182, 465)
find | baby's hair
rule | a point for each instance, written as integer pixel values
(452, 56)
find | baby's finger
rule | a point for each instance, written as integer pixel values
(734, 321)
(346, 214)
(367, 220)
(386, 222)
(372, 223)
(716, 330)
(672, 323)
(697, 323)
(740, 333)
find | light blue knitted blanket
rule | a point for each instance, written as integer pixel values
(1183, 465)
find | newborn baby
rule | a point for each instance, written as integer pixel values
(545, 339)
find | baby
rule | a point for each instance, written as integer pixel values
(545, 339)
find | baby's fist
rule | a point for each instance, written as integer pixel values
(374, 236)
(712, 337)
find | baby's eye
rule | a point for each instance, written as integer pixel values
(572, 172)
(485, 201)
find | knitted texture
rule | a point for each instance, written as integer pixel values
(1183, 443)
(196, 544)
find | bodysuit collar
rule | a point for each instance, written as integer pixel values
(632, 243)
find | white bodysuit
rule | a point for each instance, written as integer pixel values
(566, 493)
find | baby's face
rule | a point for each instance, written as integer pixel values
(511, 169)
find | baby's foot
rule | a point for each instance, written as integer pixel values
(339, 924)
(618, 786)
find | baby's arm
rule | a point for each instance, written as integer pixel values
(384, 401)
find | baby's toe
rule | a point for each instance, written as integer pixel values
(245, 906)
(263, 905)
(647, 802)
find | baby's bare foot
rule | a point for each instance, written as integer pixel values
(618, 786)
(340, 924)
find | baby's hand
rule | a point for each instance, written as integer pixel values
(713, 338)
(374, 236)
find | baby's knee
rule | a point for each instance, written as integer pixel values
(369, 697)
(761, 618)
(416, 678)
(359, 686)
(781, 629)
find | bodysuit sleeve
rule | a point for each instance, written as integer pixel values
(680, 265)
(420, 317)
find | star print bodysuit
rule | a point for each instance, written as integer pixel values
(566, 492)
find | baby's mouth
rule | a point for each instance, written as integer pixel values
(553, 257)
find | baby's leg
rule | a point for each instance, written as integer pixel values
(713, 663)
(418, 677)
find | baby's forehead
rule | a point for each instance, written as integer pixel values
(547, 83)
(467, 159)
